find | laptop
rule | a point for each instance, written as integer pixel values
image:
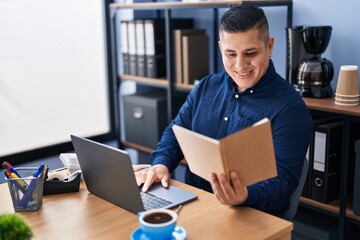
(108, 174)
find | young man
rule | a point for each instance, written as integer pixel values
(223, 103)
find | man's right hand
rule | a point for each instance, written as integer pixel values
(156, 173)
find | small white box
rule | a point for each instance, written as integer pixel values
(70, 161)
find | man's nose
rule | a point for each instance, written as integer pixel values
(240, 62)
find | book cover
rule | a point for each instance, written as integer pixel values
(178, 56)
(155, 43)
(249, 152)
(195, 58)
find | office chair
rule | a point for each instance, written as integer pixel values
(295, 197)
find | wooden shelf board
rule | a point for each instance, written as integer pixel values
(184, 86)
(331, 207)
(349, 209)
(136, 146)
(159, 82)
(201, 4)
(328, 105)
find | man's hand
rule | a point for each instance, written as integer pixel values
(228, 193)
(156, 173)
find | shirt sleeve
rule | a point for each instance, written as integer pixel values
(168, 151)
(291, 136)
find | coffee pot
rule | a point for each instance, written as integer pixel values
(307, 71)
(315, 72)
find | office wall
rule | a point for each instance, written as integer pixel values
(344, 17)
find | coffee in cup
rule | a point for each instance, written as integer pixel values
(158, 223)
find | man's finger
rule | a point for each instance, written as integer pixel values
(150, 178)
(235, 181)
(165, 181)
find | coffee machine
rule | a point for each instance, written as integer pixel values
(306, 70)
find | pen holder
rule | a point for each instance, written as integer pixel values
(26, 191)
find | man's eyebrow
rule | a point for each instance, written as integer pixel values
(245, 50)
(229, 50)
(250, 50)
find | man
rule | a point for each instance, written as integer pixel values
(226, 102)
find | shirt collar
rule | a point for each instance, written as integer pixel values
(263, 83)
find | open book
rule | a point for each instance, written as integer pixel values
(249, 152)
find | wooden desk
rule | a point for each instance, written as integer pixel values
(85, 216)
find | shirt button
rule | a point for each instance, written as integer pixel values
(251, 91)
(226, 118)
(236, 96)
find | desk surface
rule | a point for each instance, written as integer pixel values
(85, 216)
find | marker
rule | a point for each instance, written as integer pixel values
(8, 166)
(7, 174)
(39, 170)
(24, 187)
(29, 194)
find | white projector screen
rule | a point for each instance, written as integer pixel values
(54, 78)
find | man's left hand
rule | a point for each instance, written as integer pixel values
(228, 192)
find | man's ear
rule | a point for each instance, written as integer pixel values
(270, 45)
(220, 46)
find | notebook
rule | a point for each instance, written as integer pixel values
(108, 174)
(249, 152)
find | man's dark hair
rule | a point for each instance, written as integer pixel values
(243, 18)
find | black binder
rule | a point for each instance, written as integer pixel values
(356, 195)
(124, 46)
(140, 48)
(132, 48)
(155, 43)
(327, 159)
(318, 120)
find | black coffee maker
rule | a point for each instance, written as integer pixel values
(306, 70)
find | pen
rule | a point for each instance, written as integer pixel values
(29, 194)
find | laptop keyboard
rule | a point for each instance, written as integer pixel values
(151, 201)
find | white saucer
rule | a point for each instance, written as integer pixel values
(178, 234)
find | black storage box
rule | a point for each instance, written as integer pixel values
(146, 116)
(312, 225)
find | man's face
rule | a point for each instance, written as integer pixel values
(245, 56)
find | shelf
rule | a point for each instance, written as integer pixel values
(192, 5)
(349, 209)
(328, 105)
(136, 146)
(184, 86)
(157, 82)
(332, 207)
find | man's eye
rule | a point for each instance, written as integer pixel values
(231, 55)
(250, 54)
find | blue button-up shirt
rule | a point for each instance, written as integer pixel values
(216, 109)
